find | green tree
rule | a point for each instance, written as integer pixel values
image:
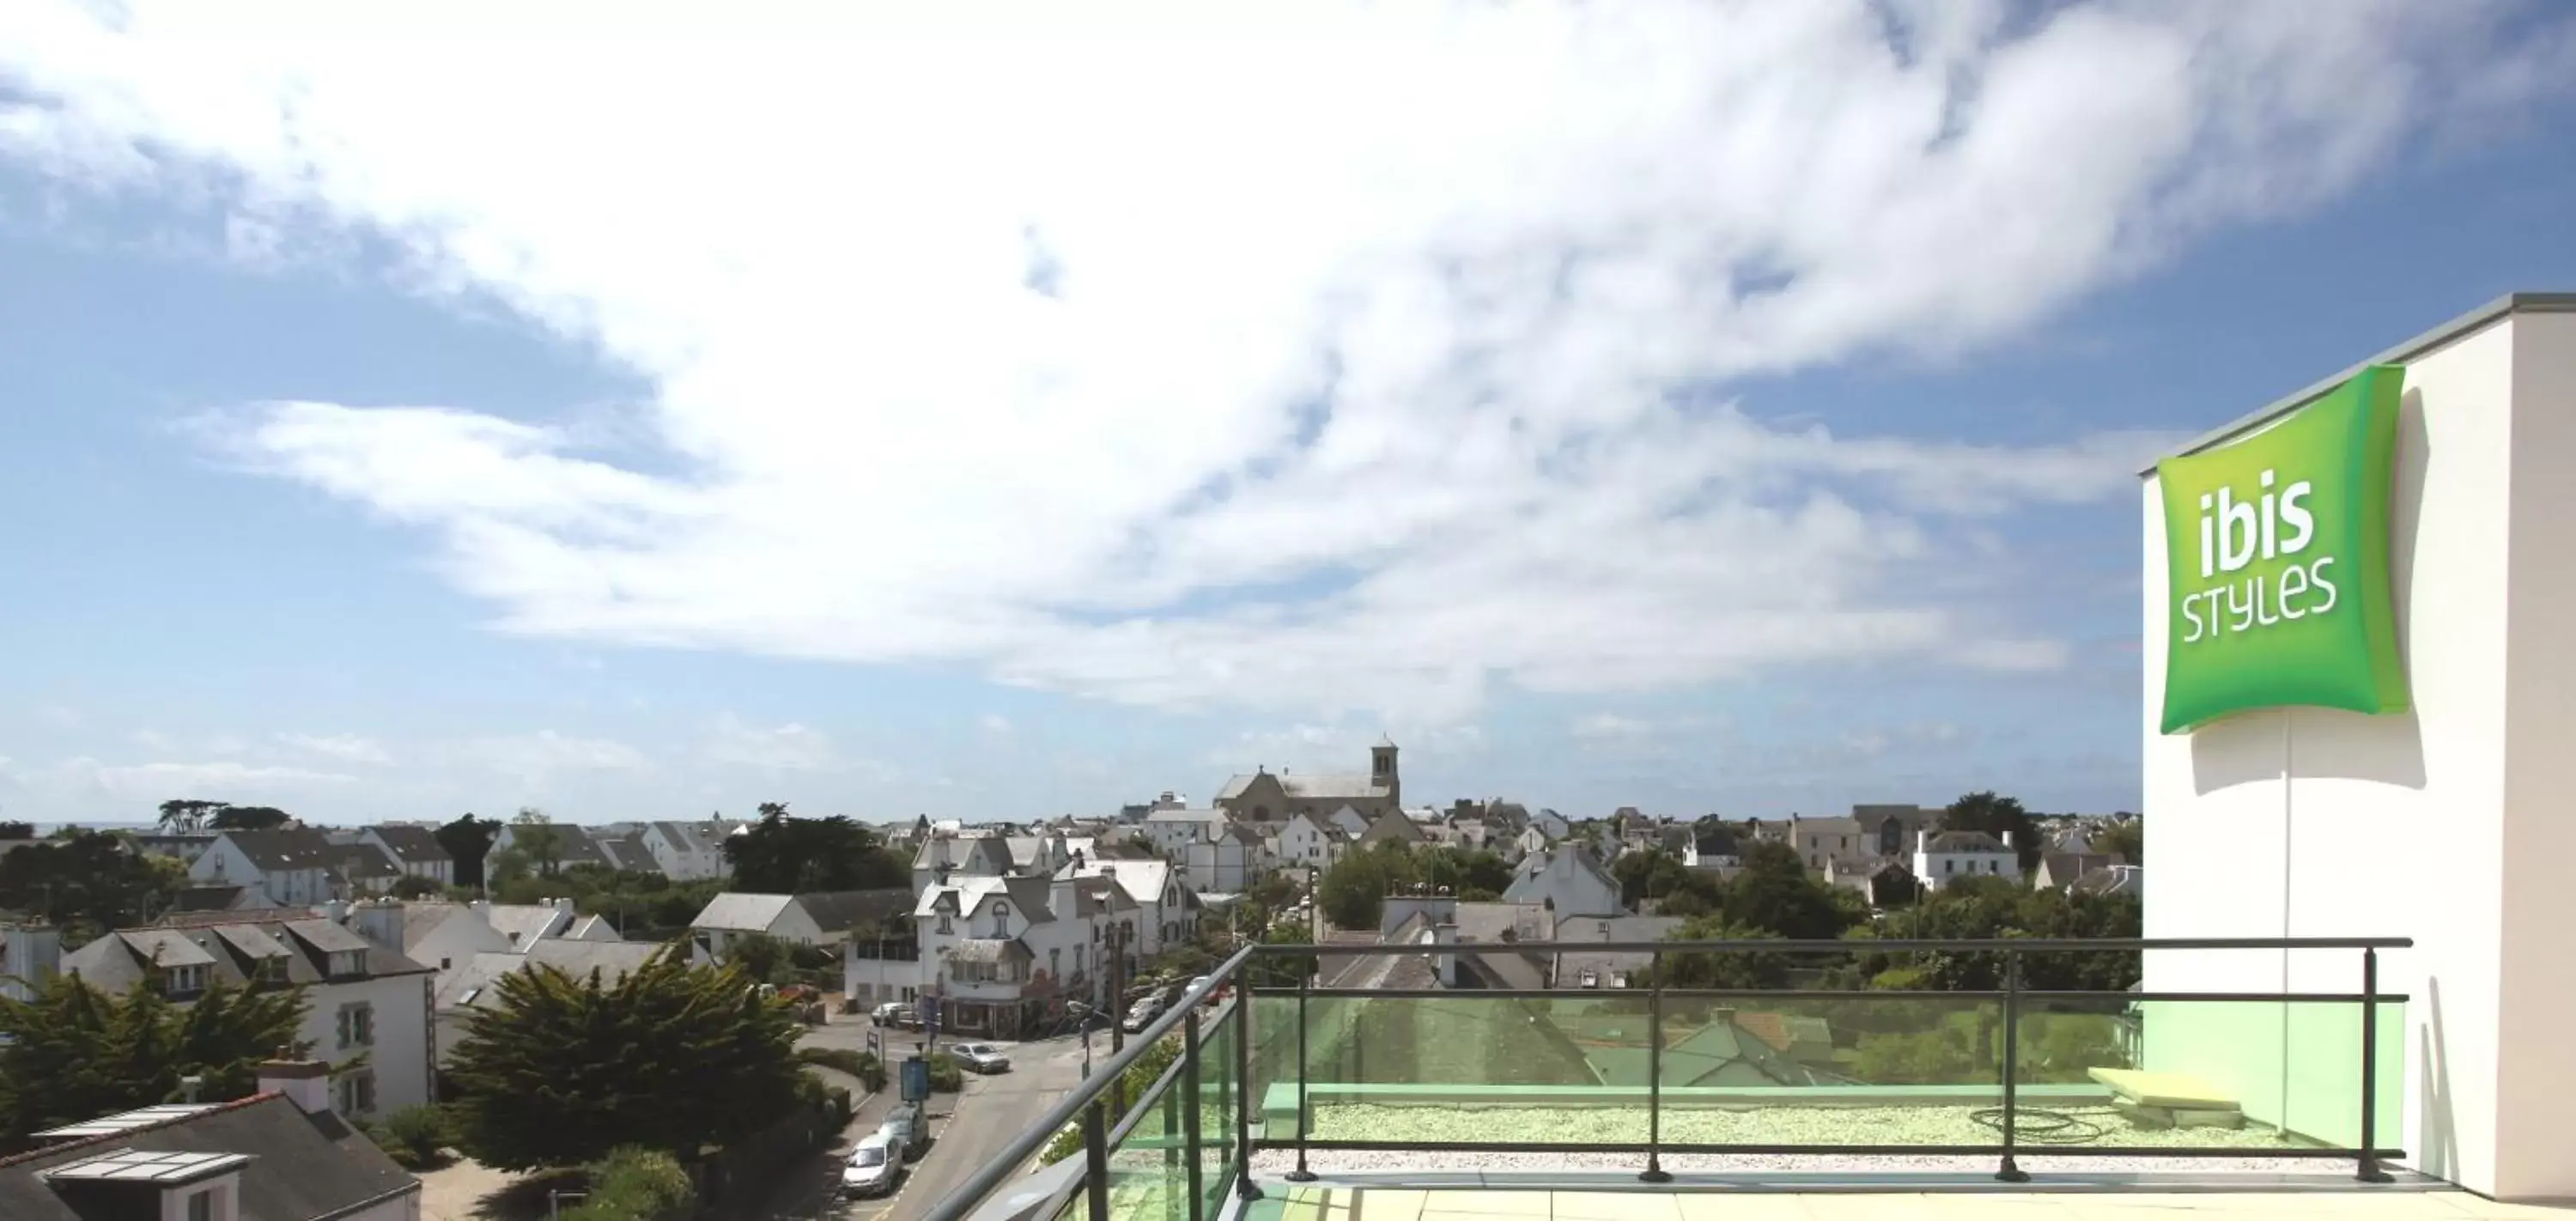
(2126, 840)
(762, 957)
(187, 815)
(17, 831)
(468, 840)
(536, 836)
(1353, 892)
(671, 1058)
(73, 1052)
(1709, 969)
(634, 1184)
(1283, 972)
(248, 818)
(88, 882)
(2001, 817)
(1776, 893)
(783, 855)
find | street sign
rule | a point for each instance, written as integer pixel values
(916, 1079)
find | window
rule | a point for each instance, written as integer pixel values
(1948, 865)
(273, 969)
(187, 980)
(1077, 955)
(201, 1206)
(357, 1025)
(1055, 962)
(944, 925)
(348, 962)
(1001, 919)
(358, 1092)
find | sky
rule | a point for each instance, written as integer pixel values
(640, 410)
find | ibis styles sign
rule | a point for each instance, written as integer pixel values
(2277, 547)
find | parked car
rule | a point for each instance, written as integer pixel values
(1143, 1013)
(873, 1166)
(892, 1013)
(907, 1129)
(981, 1057)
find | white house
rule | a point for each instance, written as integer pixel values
(413, 850)
(1349, 822)
(1173, 831)
(1569, 882)
(366, 997)
(817, 919)
(1228, 862)
(1944, 857)
(293, 866)
(277, 1156)
(689, 851)
(1309, 843)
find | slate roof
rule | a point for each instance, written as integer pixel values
(285, 849)
(362, 860)
(839, 911)
(234, 949)
(521, 924)
(303, 1167)
(1963, 841)
(741, 911)
(411, 845)
(627, 853)
(208, 899)
(470, 986)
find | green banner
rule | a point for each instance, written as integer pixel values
(2277, 550)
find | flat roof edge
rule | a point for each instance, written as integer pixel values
(2476, 319)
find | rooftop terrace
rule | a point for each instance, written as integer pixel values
(1285, 1099)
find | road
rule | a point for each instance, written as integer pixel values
(967, 1129)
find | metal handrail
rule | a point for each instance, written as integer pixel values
(1006, 1163)
(1079, 1105)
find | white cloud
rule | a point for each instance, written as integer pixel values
(995, 723)
(537, 755)
(969, 342)
(232, 779)
(789, 747)
(347, 747)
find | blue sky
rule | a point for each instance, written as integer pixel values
(1660, 407)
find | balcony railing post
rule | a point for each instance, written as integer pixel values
(2010, 1171)
(1243, 1078)
(2368, 1171)
(1095, 1160)
(1191, 1131)
(1655, 1172)
(1300, 1174)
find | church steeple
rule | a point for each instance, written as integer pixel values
(1382, 771)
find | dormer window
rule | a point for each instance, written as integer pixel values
(945, 927)
(272, 970)
(348, 962)
(1001, 920)
(186, 980)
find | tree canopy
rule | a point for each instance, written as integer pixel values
(1999, 817)
(672, 1057)
(2125, 840)
(74, 1052)
(468, 840)
(1353, 892)
(248, 818)
(88, 881)
(1776, 894)
(780, 855)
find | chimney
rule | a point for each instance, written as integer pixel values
(306, 1083)
(380, 921)
(2008, 841)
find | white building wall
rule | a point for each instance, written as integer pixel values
(2287, 822)
(400, 1053)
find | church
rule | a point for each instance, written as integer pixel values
(1275, 797)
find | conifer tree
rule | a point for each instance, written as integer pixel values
(73, 1052)
(672, 1058)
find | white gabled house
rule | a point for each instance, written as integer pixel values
(292, 866)
(1944, 858)
(1310, 843)
(818, 919)
(690, 851)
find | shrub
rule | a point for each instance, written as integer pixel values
(1139, 1078)
(415, 1137)
(632, 1184)
(945, 1075)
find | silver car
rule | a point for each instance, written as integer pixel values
(982, 1057)
(873, 1166)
